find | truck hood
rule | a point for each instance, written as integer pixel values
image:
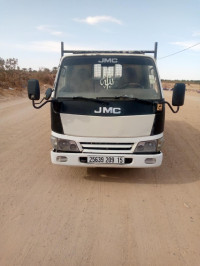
(101, 126)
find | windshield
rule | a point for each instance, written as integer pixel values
(108, 77)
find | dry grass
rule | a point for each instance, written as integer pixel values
(190, 86)
(13, 83)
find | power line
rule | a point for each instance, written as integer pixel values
(179, 51)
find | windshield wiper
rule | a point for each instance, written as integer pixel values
(150, 101)
(87, 99)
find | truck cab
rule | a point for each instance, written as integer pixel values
(107, 109)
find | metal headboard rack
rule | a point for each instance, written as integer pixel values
(63, 51)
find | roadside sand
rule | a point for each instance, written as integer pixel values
(54, 215)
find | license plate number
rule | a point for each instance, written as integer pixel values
(106, 160)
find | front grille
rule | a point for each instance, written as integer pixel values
(99, 147)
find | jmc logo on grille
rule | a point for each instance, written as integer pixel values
(108, 110)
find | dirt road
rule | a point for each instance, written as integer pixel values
(54, 215)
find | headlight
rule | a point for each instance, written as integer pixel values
(64, 145)
(149, 146)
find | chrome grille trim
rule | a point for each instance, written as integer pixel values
(97, 147)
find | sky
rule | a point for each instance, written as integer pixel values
(32, 31)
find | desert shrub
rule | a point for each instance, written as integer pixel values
(12, 76)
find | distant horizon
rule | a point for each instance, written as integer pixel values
(52, 69)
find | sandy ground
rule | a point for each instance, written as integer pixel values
(55, 215)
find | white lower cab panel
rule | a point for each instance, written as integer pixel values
(113, 152)
(105, 160)
(98, 126)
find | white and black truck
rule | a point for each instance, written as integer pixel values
(107, 109)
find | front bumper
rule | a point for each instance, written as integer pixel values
(131, 160)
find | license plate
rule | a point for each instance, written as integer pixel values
(105, 160)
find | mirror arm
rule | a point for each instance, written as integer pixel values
(40, 101)
(38, 107)
(174, 111)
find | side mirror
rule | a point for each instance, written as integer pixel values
(48, 93)
(33, 89)
(178, 94)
